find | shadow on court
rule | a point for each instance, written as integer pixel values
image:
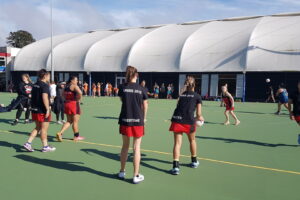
(261, 113)
(229, 140)
(6, 121)
(17, 147)
(64, 165)
(106, 117)
(50, 138)
(116, 157)
(208, 122)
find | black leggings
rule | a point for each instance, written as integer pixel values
(19, 113)
(62, 115)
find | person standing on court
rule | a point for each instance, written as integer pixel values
(132, 118)
(294, 107)
(183, 121)
(41, 111)
(58, 105)
(72, 96)
(229, 106)
(24, 95)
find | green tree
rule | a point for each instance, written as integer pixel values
(19, 39)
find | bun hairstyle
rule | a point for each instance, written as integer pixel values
(42, 73)
(189, 83)
(131, 72)
(28, 77)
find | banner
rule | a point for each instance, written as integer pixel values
(2, 68)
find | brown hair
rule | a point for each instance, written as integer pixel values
(28, 77)
(42, 73)
(189, 83)
(130, 73)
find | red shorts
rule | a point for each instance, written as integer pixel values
(182, 128)
(72, 108)
(40, 117)
(297, 119)
(229, 108)
(132, 131)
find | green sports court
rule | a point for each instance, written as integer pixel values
(259, 159)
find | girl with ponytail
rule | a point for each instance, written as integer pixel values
(132, 117)
(183, 121)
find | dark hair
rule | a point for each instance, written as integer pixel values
(42, 73)
(130, 73)
(71, 79)
(190, 83)
(281, 85)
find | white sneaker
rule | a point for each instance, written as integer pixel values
(48, 149)
(28, 147)
(195, 164)
(121, 175)
(139, 178)
(63, 121)
(59, 122)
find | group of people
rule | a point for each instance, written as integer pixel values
(99, 89)
(67, 98)
(108, 90)
(163, 92)
(132, 118)
(24, 100)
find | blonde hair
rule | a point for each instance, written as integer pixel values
(130, 73)
(28, 77)
(189, 83)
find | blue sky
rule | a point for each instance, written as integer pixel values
(85, 15)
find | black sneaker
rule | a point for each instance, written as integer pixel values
(277, 113)
(15, 123)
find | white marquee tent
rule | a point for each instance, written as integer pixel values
(262, 43)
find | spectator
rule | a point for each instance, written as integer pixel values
(162, 91)
(52, 91)
(85, 88)
(169, 92)
(156, 91)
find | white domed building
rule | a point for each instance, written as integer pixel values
(242, 52)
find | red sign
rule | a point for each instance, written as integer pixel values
(5, 54)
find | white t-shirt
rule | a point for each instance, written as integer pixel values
(53, 90)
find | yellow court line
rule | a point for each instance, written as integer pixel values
(200, 158)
